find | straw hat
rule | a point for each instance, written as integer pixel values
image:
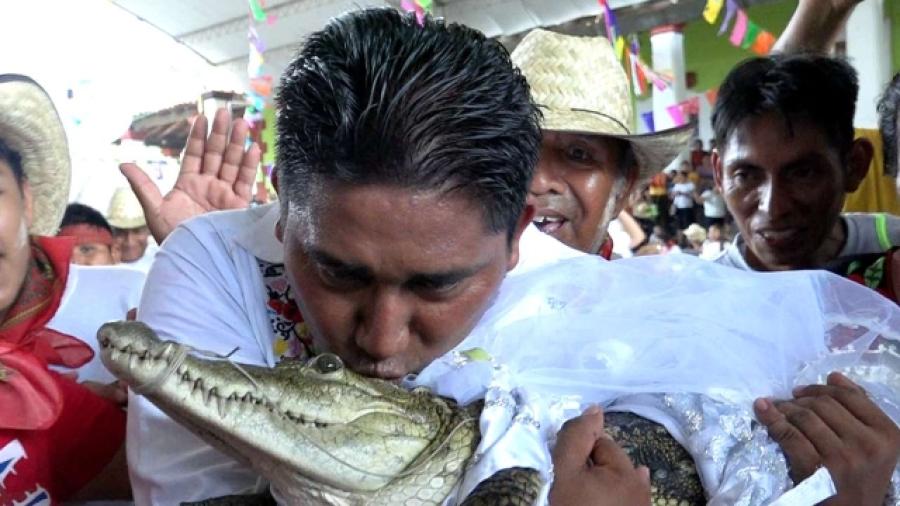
(581, 87)
(695, 233)
(125, 210)
(30, 126)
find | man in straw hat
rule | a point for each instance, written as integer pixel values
(130, 232)
(591, 159)
(60, 439)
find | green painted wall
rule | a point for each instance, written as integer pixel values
(892, 11)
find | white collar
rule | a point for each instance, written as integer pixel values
(259, 237)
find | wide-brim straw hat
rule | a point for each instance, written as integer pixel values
(580, 87)
(30, 126)
(125, 210)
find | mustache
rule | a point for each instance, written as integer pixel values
(558, 203)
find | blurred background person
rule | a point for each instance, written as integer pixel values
(131, 236)
(92, 234)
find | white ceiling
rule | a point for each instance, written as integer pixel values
(217, 29)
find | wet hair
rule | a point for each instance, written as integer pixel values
(80, 214)
(817, 89)
(375, 98)
(13, 160)
(887, 119)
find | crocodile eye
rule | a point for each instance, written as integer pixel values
(327, 363)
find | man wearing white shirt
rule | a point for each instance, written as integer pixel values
(401, 213)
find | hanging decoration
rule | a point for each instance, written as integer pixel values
(420, 7)
(744, 33)
(260, 83)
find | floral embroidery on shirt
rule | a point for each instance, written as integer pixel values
(292, 337)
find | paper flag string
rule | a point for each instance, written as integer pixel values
(257, 11)
(609, 19)
(753, 30)
(648, 120)
(254, 66)
(676, 115)
(417, 7)
(731, 8)
(712, 9)
(262, 86)
(255, 40)
(620, 47)
(638, 77)
(740, 28)
(763, 44)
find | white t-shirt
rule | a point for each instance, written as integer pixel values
(683, 201)
(94, 296)
(713, 204)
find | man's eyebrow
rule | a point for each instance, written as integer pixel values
(323, 258)
(443, 278)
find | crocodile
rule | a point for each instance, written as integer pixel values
(322, 434)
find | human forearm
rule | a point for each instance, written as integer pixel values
(814, 26)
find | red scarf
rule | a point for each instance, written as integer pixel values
(30, 398)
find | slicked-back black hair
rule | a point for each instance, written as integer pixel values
(818, 89)
(374, 98)
(13, 160)
(78, 214)
(887, 121)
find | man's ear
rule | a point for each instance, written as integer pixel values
(717, 169)
(525, 219)
(630, 185)
(279, 230)
(861, 153)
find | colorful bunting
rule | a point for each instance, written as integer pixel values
(740, 28)
(257, 11)
(763, 44)
(620, 47)
(420, 7)
(262, 86)
(731, 8)
(609, 19)
(638, 77)
(648, 120)
(753, 31)
(712, 9)
(676, 114)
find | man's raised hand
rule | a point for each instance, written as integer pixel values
(216, 173)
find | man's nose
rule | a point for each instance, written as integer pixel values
(548, 179)
(774, 199)
(383, 331)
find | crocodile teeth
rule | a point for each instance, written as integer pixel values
(209, 395)
(221, 404)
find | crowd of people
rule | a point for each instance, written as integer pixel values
(411, 161)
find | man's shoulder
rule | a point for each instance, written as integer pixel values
(250, 229)
(869, 233)
(227, 223)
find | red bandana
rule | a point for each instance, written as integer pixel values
(29, 396)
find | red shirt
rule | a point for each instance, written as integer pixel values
(46, 467)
